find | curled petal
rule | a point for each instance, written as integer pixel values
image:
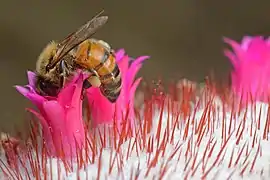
(134, 87)
(134, 68)
(239, 52)
(232, 58)
(31, 78)
(136, 65)
(31, 88)
(24, 91)
(33, 97)
(119, 54)
(133, 90)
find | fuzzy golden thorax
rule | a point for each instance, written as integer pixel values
(45, 57)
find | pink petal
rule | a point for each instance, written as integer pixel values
(246, 42)
(36, 99)
(31, 89)
(76, 95)
(132, 91)
(31, 78)
(123, 65)
(33, 97)
(267, 40)
(74, 119)
(135, 67)
(132, 72)
(232, 58)
(119, 54)
(129, 105)
(133, 88)
(24, 91)
(99, 104)
(139, 60)
(56, 121)
(55, 114)
(65, 96)
(239, 52)
(252, 71)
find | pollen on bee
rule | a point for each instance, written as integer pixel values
(94, 80)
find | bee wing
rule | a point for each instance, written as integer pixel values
(77, 37)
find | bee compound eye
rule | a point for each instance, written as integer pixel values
(42, 85)
(48, 89)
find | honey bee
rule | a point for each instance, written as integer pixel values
(58, 61)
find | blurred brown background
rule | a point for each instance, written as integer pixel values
(183, 37)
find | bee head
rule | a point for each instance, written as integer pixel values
(46, 88)
(45, 57)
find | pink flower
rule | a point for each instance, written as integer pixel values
(105, 112)
(60, 117)
(251, 63)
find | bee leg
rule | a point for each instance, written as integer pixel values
(94, 81)
(64, 68)
(64, 71)
(86, 84)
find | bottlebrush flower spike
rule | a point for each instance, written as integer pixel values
(105, 112)
(251, 63)
(60, 117)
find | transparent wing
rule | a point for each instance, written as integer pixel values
(77, 37)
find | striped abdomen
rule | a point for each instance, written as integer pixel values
(97, 56)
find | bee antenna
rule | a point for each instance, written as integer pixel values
(98, 14)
